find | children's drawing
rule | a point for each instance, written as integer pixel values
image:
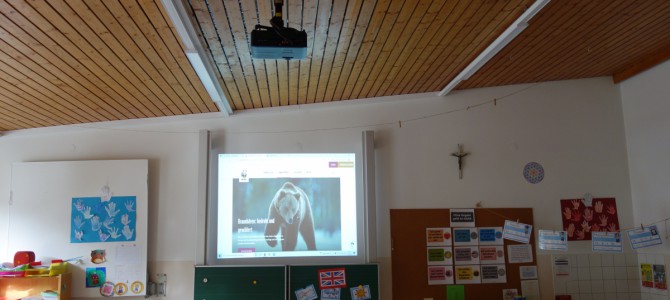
(307, 293)
(579, 220)
(95, 277)
(361, 292)
(98, 256)
(94, 220)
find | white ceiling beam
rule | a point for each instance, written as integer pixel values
(199, 58)
(498, 44)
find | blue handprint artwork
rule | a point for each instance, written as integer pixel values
(97, 219)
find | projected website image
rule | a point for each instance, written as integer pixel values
(280, 216)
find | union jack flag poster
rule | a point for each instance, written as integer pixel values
(332, 278)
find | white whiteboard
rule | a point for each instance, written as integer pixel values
(56, 207)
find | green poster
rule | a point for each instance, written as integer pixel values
(455, 292)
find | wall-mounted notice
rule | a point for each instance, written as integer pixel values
(467, 274)
(490, 236)
(517, 254)
(528, 272)
(439, 256)
(492, 254)
(440, 275)
(553, 240)
(607, 242)
(516, 231)
(494, 274)
(659, 277)
(468, 255)
(466, 237)
(530, 289)
(644, 237)
(462, 217)
(647, 275)
(561, 266)
(438, 236)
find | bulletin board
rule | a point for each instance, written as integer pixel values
(409, 257)
(362, 278)
(95, 211)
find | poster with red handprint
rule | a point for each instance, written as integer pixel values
(580, 220)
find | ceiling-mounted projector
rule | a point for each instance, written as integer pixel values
(277, 41)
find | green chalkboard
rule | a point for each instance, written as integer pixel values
(356, 275)
(249, 283)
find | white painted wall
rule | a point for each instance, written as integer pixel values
(646, 106)
(573, 128)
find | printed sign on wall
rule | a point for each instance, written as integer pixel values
(466, 255)
(518, 232)
(440, 256)
(494, 273)
(465, 237)
(462, 217)
(467, 274)
(438, 236)
(440, 275)
(490, 236)
(492, 254)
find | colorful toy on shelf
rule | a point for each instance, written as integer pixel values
(23, 257)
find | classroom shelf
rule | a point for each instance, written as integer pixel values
(17, 287)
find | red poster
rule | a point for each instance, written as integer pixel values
(580, 220)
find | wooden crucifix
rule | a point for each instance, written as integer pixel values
(460, 155)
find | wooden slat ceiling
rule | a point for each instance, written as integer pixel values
(82, 61)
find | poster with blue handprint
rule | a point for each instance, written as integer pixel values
(103, 219)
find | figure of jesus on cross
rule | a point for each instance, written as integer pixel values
(460, 155)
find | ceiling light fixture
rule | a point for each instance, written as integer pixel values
(507, 36)
(196, 55)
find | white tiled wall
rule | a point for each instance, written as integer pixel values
(601, 277)
(651, 293)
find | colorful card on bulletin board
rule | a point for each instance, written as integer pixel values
(465, 237)
(606, 242)
(490, 236)
(439, 256)
(331, 294)
(463, 217)
(518, 232)
(438, 236)
(455, 292)
(332, 278)
(468, 274)
(361, 292)
(468, 255)
(553, 240)
(644, 237)
(579, 220)
(440, 275)
(494, 273)
(99, 220)
(307, 293)
(492, 254)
